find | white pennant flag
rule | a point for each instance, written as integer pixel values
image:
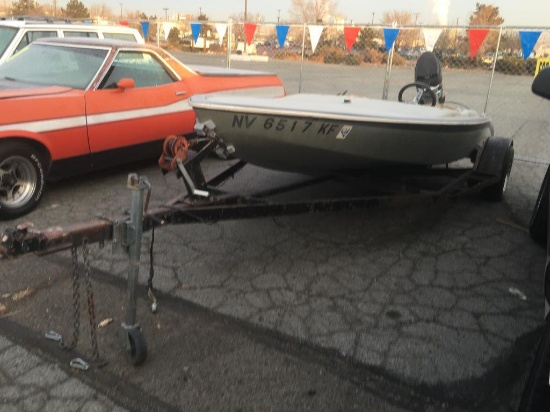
(166, 27)
(221, 28)
(315, 35)
(430, 38)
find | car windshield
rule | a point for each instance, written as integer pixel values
(6, 36)
(54, 65)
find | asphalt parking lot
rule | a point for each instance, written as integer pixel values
(417, 308)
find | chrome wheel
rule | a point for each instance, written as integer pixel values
(18, 180)
(22, 179)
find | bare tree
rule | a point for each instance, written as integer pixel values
(313, 11)
(101, 10)
(399, 18)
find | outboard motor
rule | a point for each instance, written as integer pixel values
(428, 71)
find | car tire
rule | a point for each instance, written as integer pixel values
(538, 226)
(536, 393)
(22, 179)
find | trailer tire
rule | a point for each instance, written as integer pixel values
(538, 226)
(136, 348)
(490, 153)
(22, 179)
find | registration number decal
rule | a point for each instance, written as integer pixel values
(282, 124)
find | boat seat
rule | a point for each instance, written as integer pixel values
(428, 70)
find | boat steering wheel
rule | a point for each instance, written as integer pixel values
(422, 89)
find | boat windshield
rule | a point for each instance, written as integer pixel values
(6, 36)
(54, 65)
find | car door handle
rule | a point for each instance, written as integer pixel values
(182, 93)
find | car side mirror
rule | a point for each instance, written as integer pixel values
(541, 84)
(126, 83)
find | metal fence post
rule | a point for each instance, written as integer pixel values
(229, 42)
(493, 71)
(388, 73)
(302, 62)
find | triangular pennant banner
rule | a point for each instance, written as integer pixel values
(123, 23)
(166, 27)
(145, 28)
(282, 32)
(389, 37)
(528, 41)
(476, 37)
(351, 33)
(430, 38)
(196, 30)
(249, 30)
(315, 35)
(221, 28)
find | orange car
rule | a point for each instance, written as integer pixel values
(69, 106)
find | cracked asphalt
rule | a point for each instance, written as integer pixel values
(420, 308)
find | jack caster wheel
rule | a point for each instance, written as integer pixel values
(136, 347)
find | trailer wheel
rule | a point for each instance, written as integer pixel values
(496, 159)
(22, 179)
(136, 348)
(538, 227)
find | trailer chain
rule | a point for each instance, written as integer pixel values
(76, 300)
(150, 288)
(90, 297)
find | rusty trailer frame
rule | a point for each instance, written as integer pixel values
(204, 202)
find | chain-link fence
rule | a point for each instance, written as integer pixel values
(366, 64)
(489, 69)
(483, 68)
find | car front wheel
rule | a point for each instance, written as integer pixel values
(22, 179)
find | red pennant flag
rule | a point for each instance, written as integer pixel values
(351, 34)
(123, 23)
(249, 30)
(476, 37)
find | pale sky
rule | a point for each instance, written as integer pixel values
(526, 13)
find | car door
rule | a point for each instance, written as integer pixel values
(128, 123)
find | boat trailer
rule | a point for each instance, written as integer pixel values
(204, 202)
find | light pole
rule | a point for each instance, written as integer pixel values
(121, 9)
(245, 10)
(200, 11)
(278, 16)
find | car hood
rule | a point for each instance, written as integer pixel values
(10, 90)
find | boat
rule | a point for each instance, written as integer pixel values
(313, 133)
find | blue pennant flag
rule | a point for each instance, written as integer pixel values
(145, 28)
(196, 29)
(389, 37)
(528, 41)
(282, 31)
